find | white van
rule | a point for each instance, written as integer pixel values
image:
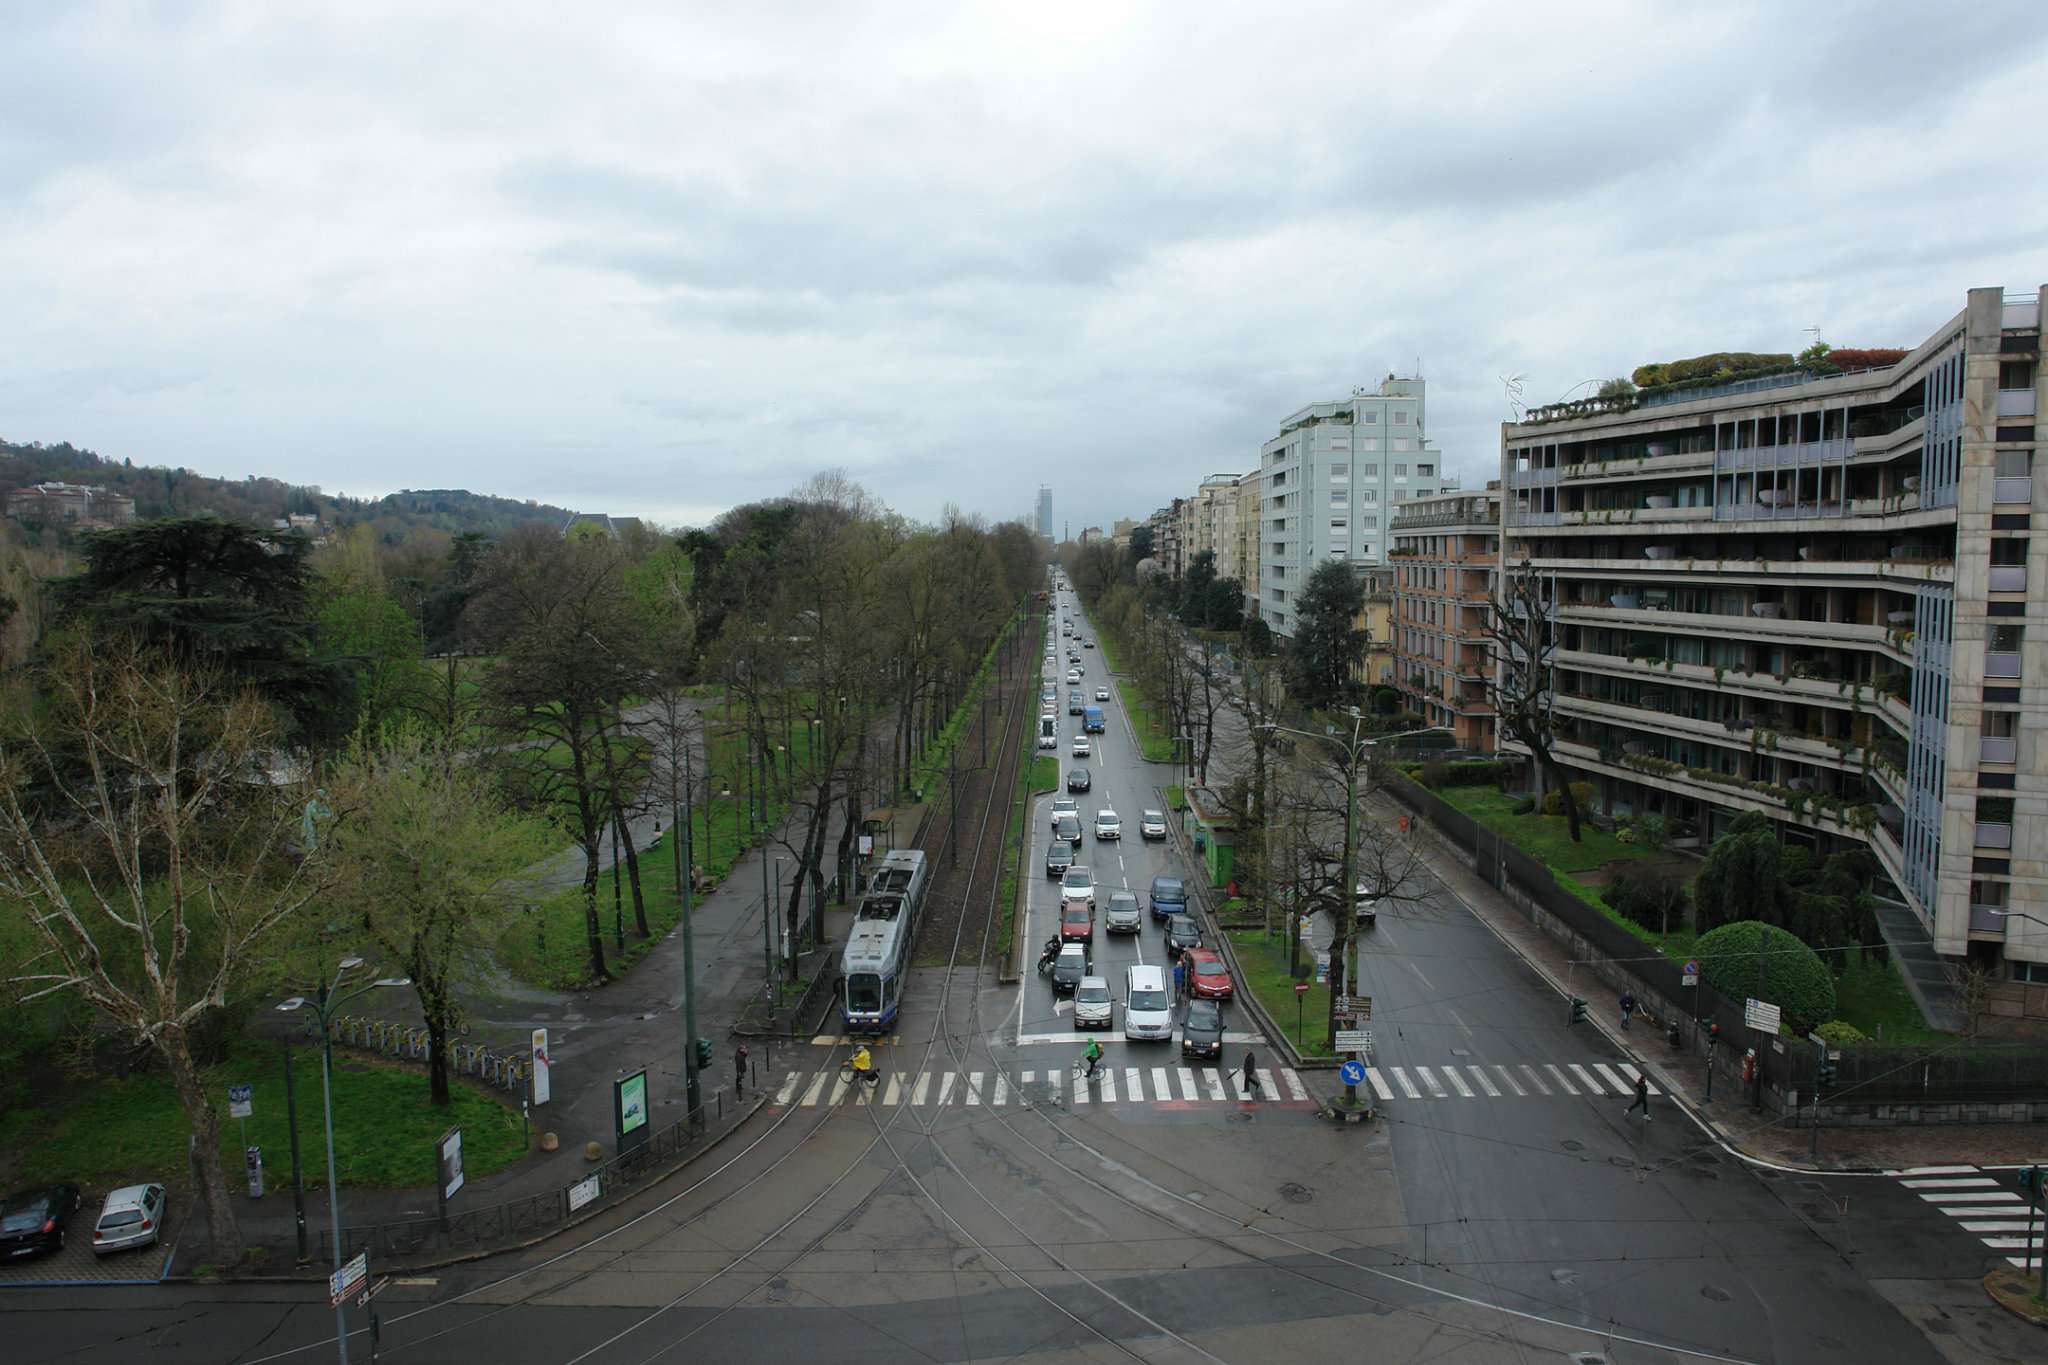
(1048, 732)
(1148, 1007)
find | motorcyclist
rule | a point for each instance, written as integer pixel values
(1051, 951)
(1093, 1056)
(863, 1063)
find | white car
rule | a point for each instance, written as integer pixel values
(1093, 1006)
(1152, 825)
(133, 1216)
(1077, 884)
(1082, 748)
(1102, 694)
(1064, 805)
(1073, 676)
(1107, 825)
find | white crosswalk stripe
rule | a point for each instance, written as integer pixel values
(1379, 1083)
(1500, 1081)
(1585, 1079)
(1989, 1207)
(1479, 1075)
(1002, 1089)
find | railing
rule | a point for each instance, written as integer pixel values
(1997, 749)
(1516, 517)
(1758, 385)
(507, 1071)
(2022, 310)
(1784, 456)
(2001, 665)
(2015, 402)
(1993, 835)
(2009, 489)
(2007, 578)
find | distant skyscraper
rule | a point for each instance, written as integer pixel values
(1045, 510)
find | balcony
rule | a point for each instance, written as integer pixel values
(1998, 664)
(1998, 749)
(2015, 403)
(2012, 490)
(1993, 835)
(2007, 578)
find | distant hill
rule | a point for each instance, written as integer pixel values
(160, 492)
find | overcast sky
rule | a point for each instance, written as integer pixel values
(664, 259)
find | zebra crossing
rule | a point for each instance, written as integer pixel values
(1175, 1086)
(1992, 1210)
(1497, 1081)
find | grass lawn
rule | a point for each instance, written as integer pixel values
(1871, 996)
(1543, 837)
(1176, 797)
(131, 1128)
(1147, 724)
(1264, 962)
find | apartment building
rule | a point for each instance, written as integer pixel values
(1329, 478)
(1446, 561)
(1249, 488)
(1045, 510)
(1375, 617)
(1210, 521)
(70, 504)
(1819, 597)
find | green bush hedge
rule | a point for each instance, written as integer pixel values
(1734, 364)
(1582, 797)
(1840, 1031)
(1795, 980)
(1470, 772)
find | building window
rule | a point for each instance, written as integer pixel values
(1369, 495)
(1340, 527)
(1400, 471)
(1372, 471)
(1400, 417)
(1424, 470)
(2007, 639)
(2016, 374)
(1340, 497)
(1339, 473)
(1371, 417)
(1368, 519)
(1401, 443)
(1370, 443)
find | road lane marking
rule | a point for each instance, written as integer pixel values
(788, 1091)
(2005, 1225)
(1621, 1087)
(1479, 1075)
(1419, 976)
(1581, 1072)
(1632, 1073)
(1052, 1082)
(1935, 1170)
(1407, 1086)
(1187, 1084)
(1295, 1089)
(1509, 1080)
(817, 1088)
(924, 1083)
(1457, 1082)
(1436, 1091)
(838, 1091)
(1002, 1089)
(1969, 1196)
(1954, 1183)
(1215, 1078)
(1108, 1077)
(1988, 1211)
(1160, 1085)
(894, 1095)
(1379, 1084)
(1084, 1089)
(945, 1089)
(974, 1090)
(1559, 1077)
(1534, 1079)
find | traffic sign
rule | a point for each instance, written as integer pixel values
(1692, 966)
(1301, 988)
(1352, 1073)
(1760, 1014)
(348, 1277)
(1689, 979)
(1354, 1040)
(240, 1103)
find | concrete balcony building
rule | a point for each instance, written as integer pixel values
(1445, 558)
(1808, 594)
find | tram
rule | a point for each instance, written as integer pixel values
(877, 957)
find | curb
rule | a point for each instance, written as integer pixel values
(2015, 1293)
(315, 1276)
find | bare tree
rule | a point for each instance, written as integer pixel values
(1523, 645)
(143, 832)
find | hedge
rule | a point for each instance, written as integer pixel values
(1735, 364)
(1796, 980)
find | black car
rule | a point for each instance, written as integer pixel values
(1068, 827)
(1078, 780)
(1182, 933)
(1058, 858)
(33, 1220)
(1201, 1033)
(1069, 968)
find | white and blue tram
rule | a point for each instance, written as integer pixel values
(877, 958)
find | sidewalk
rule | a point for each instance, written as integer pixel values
(1682, 1074)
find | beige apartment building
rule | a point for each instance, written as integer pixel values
(1819, 597)
(1446, 559)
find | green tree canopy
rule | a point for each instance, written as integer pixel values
(1328, 643)
(1744, 879)
(1747, 958)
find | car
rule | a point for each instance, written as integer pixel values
(1048, 695)
(1123, 915)
(1058, 858)
(33, 1221)
(1102, 694)
(1201, 1032)
(1108, 825)
(1169, 898)
(1094, 1007)
(1078, 780)
(1368, 904)
(1208, 976)
(1082, 748)
(1069, 969)
(1087, 644)
(1077, 921)
(133, 1216)
(1078, 884)
(1152, 824)
(1148, 1005)
(1075, 702)
(1182, 933)
(1073, 675)
(1069, 829)
(1064, 805)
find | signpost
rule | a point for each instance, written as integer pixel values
(241, 1102)
(1352, 1072)
(584, 1191)
(448, 1158)
(1354, 1040)
(629, 1110)
(1761, 1015)
(341, 1281)
(1692, 973)
(1300, 994)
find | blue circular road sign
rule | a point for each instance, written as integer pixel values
(1352, 1072)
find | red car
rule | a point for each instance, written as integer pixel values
(1077, 922)
(1208, 978)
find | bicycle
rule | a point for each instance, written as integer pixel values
(850, 1075)
(1085, 1070)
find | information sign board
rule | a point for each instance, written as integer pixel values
(1354, 1040)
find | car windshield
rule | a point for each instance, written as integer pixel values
(1148, 1000)
(1105, 820)
(1077, 877)
(1123, 900)
(25, 1217)
(1092, 995)
(1209, 969)
(1155, 817)
(863, 991)
(1168, 887)
(1205, 1014)
(1076, 913)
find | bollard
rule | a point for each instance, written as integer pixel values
(721, 1104)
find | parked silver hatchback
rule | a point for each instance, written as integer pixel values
(133, 1216)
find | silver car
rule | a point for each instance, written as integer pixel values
(1123, 915)
(1093, 1005)
(1107, 825)
(133, 1216)
(1152, 825)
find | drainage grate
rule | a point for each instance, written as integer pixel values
(1590, 1357)
(1294, 1192)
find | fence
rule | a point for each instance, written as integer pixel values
(507, 1071)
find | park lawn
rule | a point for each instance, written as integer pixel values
(1176, 797)
(115, 1130)
(1871, 995)
(1153, 740)
(1543, 837)
(1262, 963)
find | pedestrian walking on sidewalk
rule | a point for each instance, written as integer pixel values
(1628, 1007)
(1642, 1100)
(739, 1072)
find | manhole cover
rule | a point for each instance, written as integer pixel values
(1563, 1276)
(1461, 1052)
(1242, 1116)
(1294, 1192)
(1572, 1145)
(1716, 1293)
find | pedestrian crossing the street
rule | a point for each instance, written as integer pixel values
(1990, 1208)
(1500, 1081)
(1162, 1086)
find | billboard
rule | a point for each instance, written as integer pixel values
(542, 1088)
(450, 1153)
(629, 1108)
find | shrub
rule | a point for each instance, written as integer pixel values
(1840, 1031)
(1864, 357)
(1656, 903)
(1525, 806)
(1732, 363)
(1582, 797)
(1795, 980)
(1470, 772)
(1436, 775)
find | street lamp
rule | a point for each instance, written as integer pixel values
(683, 820)
(2018, 914)
(324, 1004)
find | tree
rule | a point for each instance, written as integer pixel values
(1226, 605)
(1748, 959)
(143, 829)
(427, 860)
(1744, 879)
(1195, 586)
(218, 597)
(1256, 638)
(1523, 647)
(1141, 543)
(1328, 643)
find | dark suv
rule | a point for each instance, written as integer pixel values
(1169, 898)
(1058, 858)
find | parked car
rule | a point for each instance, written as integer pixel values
(1064, 805)
(1102, 694)
(133, 1216)
(1152, 824)
(1078, 780)
(1107, 825)
(1058, 858)
(1201, 1032)
(1123, 915)
(1078, 884)
(1208, 976)
(1182, 933)
(1082, 748)
(1069, 829)
(1069, 969)
(1094, 1007)
(1169, 898)
(33, 1221)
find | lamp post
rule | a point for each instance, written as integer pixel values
(324, 1004)
(685, 868)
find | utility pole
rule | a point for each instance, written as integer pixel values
(685, 868)
(291, 1113)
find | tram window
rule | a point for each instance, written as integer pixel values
(862, 992)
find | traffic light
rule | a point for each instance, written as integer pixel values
(1827, 1074)
(2034, 1180)
(1713, 1036)
(703, 1051)
(1578, 1009)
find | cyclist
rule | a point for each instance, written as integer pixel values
(863, 1064)
(1093, 1056)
